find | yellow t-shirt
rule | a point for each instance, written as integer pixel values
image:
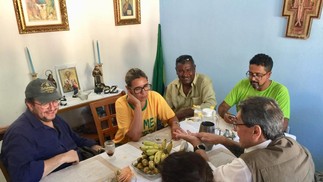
(156, 108)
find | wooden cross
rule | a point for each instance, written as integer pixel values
(299, 15)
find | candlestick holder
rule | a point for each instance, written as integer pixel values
(34, 76)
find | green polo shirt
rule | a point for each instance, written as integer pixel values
(275, 91)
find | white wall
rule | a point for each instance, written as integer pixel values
(122, 47)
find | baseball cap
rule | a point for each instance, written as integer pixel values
(42, 90)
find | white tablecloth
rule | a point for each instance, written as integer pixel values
(102, 167)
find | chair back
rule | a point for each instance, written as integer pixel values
(104, 115)
(3, 168)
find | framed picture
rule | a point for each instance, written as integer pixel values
(127, 12)
(67, 79)
(300, 14)
(35, 16)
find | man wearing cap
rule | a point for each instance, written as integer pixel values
(189, 89)
(40, 142)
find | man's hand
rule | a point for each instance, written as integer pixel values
(51, 164)
(174, 128)
(188, 136)
(97, 148)
(210, 138)
(229, 118)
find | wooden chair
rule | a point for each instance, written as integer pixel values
(104, 115)
(3, 168)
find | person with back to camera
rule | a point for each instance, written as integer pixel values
(40, 142)
(189, 89)
(185, 167)
(257, 84)
(267, 155)
(138, 111)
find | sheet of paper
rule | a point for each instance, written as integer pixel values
(92, 170)
(123, 156)
(192, 126)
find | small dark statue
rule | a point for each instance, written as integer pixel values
(75, 89)
(50, 77)
(97, 75)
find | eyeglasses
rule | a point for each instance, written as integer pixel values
(54, 103)
(256, 75)
(236, 124)
(138, 90)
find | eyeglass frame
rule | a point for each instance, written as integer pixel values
(238, 124)
(55, 103)
(146, 87)
(258, 76)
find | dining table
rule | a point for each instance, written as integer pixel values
(102, 168)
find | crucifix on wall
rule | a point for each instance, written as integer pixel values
(300, 14)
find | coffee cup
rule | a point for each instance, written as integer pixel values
(208, 127)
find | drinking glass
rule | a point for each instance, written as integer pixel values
(109, 147)
(207, 126)
(217, 124)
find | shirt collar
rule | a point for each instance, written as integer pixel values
(259, 146)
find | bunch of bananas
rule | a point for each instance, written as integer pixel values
(152, 155)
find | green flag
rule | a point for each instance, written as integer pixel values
(158, 74)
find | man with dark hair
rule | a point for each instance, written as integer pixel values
(267, 155)
(189, 89)
(258, 83)
(40, 142)
(139, 110)
(185, 167)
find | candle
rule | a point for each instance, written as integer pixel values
(30, 61)
(98, 50)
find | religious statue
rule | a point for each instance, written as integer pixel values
(50, 77)
(97, 74)
(75, 88)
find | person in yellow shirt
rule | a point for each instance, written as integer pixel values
(138, 111)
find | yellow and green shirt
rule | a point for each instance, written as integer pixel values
(156, 108)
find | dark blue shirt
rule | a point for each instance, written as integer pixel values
(28, 142)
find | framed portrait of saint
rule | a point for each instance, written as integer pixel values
(68, 80)
(127, 12)
(36, 16)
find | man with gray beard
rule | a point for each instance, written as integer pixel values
(257, 83)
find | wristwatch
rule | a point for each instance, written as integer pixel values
(199, 147)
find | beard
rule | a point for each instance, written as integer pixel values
(255, 85)
(46, 116)
(46, 119)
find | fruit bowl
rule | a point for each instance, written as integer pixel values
(146, 175)
(153, 154)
